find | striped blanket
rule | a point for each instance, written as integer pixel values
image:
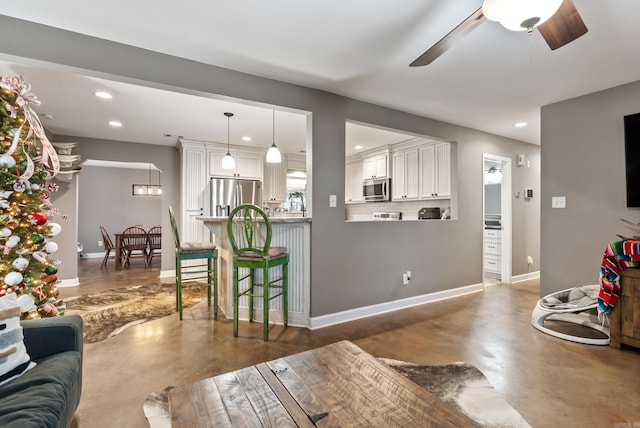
(618, 256)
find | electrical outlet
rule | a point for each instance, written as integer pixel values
(406, 277)
(100, 243)
(529, 260)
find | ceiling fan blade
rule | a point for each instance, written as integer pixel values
(563, 27)
(464, 28)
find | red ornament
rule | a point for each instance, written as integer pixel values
(40, 218)
(48, 279)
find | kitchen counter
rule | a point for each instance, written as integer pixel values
(291, 232)
(274, 220)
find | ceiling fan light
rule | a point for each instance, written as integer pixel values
(520, 15)
(273, 154)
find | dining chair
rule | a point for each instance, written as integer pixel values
(195, 273)
(154, 242)
(249, 231)
(134, 242)
(108, 246)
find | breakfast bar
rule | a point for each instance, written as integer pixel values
(291, 232)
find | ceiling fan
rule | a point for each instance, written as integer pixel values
(558, 21)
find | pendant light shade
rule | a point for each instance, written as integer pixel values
(520, 15)
(273, 154)
(227, 161)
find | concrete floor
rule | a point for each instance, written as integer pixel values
(551, 382)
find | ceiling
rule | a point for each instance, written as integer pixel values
(490, 80)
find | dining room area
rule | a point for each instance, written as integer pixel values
(119, 223)
(135, 246)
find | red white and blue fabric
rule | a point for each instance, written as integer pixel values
(618, 256)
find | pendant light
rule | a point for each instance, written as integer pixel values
(227, 160)
(147, 189)
(273, 154)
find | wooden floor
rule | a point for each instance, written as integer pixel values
(551, 382)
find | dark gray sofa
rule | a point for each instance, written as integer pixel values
(48, 394)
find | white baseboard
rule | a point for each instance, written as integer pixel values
(94, 255)
(381, 308)
(525, 276)
(168, 273)
(69, 282)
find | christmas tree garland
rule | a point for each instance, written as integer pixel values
(25, 209)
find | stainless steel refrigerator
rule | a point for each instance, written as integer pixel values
(228, 193)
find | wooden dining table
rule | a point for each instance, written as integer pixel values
(119, 247)
(337, 385)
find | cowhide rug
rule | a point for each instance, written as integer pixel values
(108, 313)
(461, 386)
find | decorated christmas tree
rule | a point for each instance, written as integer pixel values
(27, 162)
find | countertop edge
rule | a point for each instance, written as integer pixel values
(274, 220)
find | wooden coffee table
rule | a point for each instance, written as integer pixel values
(337, 385)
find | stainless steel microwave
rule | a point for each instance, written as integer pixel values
(376, 189)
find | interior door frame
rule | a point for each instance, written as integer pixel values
(506, 214)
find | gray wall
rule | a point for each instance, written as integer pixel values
(105, 199)
(353, 264)
(583, 159)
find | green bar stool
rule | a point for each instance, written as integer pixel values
(249, 231)
(205, 251)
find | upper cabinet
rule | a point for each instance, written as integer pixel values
(248, 165)
(435, 182)
(420, 170)
(405, 177)
(376, 165)
(353, 181)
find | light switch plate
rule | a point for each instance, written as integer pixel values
(558, 202)
(333, 201)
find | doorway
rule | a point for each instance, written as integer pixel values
(496, 219)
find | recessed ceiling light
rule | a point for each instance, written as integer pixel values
(246, 138)
(47, 116)
(115, 123)
(103, 94)
(520, 124)
(358, 147)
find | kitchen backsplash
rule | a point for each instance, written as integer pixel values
(409, 209)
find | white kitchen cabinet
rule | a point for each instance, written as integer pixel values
(435, 180)
(375, 166)
(275, 183)
(353, 182)
(492, 244)
(248, 165)
(193, 191)
(405, 175)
